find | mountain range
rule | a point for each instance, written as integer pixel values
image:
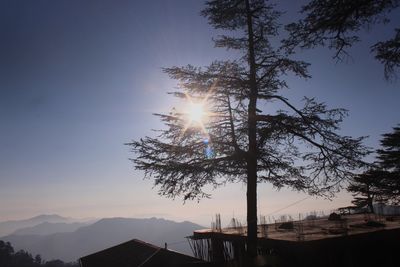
(71, 245)
(47, 228)
(8, 227)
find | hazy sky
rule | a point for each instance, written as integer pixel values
(78, 79)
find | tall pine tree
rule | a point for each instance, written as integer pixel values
(242, 138)
(389, 163)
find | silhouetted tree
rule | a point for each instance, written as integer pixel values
(335, 23)
(6, 252)
(24, 259)
(9, 258)
(244, 139)
(367, 188)
(389, 155)
(58, 263)
(388, 53)
(38, 259)
(382, 183)
(389, 162)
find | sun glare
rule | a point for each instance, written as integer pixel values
(196, 112)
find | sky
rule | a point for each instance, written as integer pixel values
(79, 79)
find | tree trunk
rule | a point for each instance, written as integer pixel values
(252, 152)
(370, 203)
(252, 209)
(371, 207)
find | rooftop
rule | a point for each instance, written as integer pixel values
(138, 253)
(309, 229)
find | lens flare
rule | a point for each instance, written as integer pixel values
(196, 112)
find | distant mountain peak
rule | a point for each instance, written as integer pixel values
(9, 227)
(48, 216)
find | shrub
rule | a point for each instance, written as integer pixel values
(286, 226)
(334, 217)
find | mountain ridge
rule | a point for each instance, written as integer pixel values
(47, 228)
(10, 226)
(105, 233)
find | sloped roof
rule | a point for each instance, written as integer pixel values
(137, 253)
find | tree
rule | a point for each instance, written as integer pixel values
(367, 188)
(241, 138)
(21, 258)
(388, 53)
(382, 182)
(6, 253)
(389, 155)
(335, 23)
(38, 259)
(389, 161)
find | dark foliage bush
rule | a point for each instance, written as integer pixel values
(286, 226)
(10, 258)
(334, 217)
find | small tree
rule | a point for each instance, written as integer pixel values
(241, 137)
(336, 23)
(367, 188)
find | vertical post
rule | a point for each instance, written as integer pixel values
(217, 248)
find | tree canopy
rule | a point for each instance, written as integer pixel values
(336, 23)
(389, 154)
(389, 162)
(382, 182)
(241, 136)
(21, 258)
(367, 189)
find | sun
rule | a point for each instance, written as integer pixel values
(196, 112)
(196, 115)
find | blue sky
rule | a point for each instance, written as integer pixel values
(78, 79)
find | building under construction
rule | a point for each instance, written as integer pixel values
(337, 240)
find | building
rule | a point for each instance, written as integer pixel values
(357, 240)
(135, 253)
